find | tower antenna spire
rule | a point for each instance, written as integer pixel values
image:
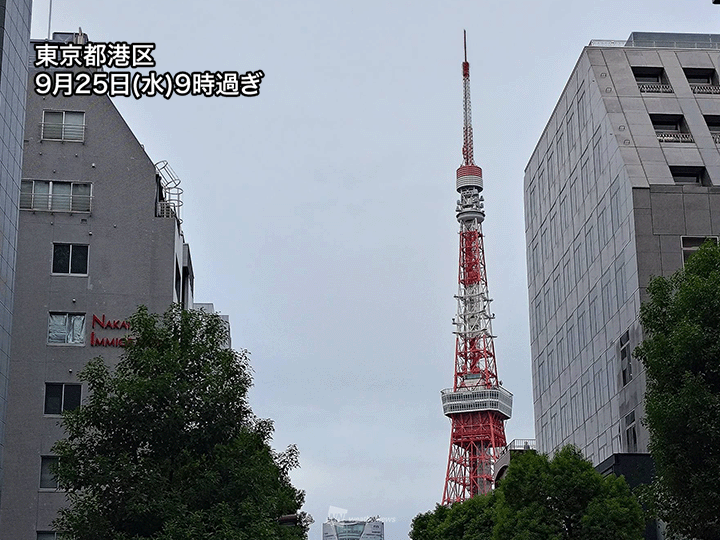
(476, 404)
(467, 150)
(465, 43)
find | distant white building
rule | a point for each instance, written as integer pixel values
(353, 530)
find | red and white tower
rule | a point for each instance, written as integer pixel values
(477, 405)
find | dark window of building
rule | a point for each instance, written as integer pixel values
(651, 79)
(700, 76)
(61, 397)
(70, 259)
(667, 122)
(47, 476)
(571, 131)
(670, 128)
(582, 113)
(631, 444)
(66, 328)
(713, 124)
(63, 126)
(55, 196)
(625, 358)
(48, 536)
(690, 244)
(647, 74)
(178, 283)
(688, 175)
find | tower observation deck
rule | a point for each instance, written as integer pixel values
(476, 404)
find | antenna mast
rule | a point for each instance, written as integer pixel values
(49, 19)
(467, 111)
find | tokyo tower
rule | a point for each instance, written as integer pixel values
(477, 405)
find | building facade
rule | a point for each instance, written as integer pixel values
(14, 40)
(99, 235)
(624, 184)
(372, 529)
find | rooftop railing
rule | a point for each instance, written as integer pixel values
(519, 444)
(62, 132)
(654, 44)
(55, 202)
(655, 88)
(705, 88)
(673, 136)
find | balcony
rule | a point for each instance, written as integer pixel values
(671, 128)
(651, 80)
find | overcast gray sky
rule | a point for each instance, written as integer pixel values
(320, 214)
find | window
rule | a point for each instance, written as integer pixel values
(571, 130)
(560, 150)
(61, 397)
(625, 358)
(651, 79)
(631, 444)
(646, 74)
(66, 328)
(70, 259)
(688, 175)
(55, 196)
(63, 126)
(582, 113)
(670, 128)
(178, 282)
(702, 80)
(47, 476)
(690, 244)
(48, 536)
(713, 124)
(620, 282)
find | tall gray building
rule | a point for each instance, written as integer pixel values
(14, 40)
(623, 184)
(99, 234)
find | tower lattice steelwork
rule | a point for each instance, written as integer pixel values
(477, 405)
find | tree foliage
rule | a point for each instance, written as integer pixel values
(470, 520)
(681, 355)
(540, 499)
(166, 447)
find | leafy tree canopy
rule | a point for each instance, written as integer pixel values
(166, 447)
(540, 499)
(681, 355)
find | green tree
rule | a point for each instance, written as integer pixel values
(166, 447)
(564, 498)
(681, 355)
(540, 499)
(469, 520)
